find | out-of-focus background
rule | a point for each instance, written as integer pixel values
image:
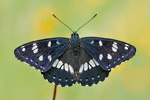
(22, 21)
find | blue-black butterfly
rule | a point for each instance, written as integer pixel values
(65, 61)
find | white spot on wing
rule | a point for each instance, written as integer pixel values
(114, 49)
(22, 46)
(49, 44)
(23, 49)
(66, 86)
(55, 63)
(92, 42)
(126, 47)
(85, 67)
(92, 63)
(100, 57)
(58, 42)
(71, 69)
(95, 62)
(115, 45)
(100, 43)
(109, 56)
(81, 69)
(66, 67)
(41, 58)
(90, 66)
(35, 51)
(34, 46)
(62, 67)
(59, 64)
(49, 58)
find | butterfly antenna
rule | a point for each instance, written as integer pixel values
(86, 22)
(62, 22)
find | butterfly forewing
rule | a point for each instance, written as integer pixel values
(62, 71)
(90, 72)
(41, 54)
(108, 52)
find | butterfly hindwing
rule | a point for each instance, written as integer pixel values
(108, 52)
(62, 71)
(90, 72)
(41, 54)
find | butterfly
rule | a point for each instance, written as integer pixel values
(65, 61)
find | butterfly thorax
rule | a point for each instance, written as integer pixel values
(75, 42)
(75, 47)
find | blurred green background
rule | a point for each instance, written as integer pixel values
(22, 21)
